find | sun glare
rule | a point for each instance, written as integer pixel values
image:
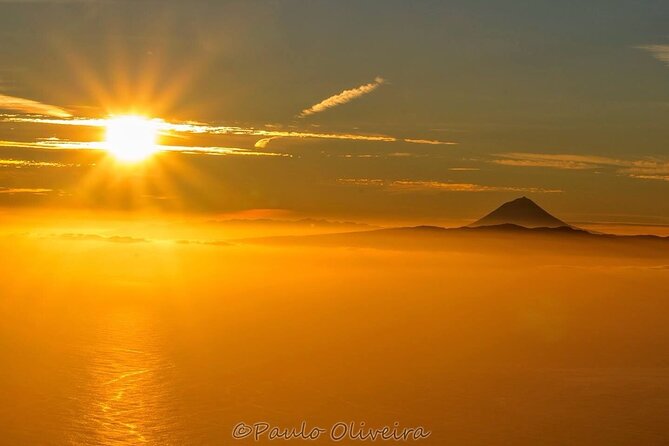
(131, 138)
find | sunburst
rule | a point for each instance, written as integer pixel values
(131, 138)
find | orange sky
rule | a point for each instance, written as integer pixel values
(435, 112)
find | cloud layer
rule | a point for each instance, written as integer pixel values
(646, 168)
(432, 186)
(24, 190)
(57, 144)
(343, 97)
(203, 128)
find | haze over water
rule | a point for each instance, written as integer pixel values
(185, 341)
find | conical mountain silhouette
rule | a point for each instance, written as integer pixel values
(522, 212)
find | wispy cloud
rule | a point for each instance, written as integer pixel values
(55, 144)
(203, 242)
(374, 182)
(24, 190)
(435, 186)
(20, 164)
(645, 168)
(383, 155)
(219, 151)
(96, 237)
(650, 177)
(31, 107)
(660, 52)
(262, 143)
(556, 161)
(343, 97)
(58, 144)
(266, 134)
(432, 142)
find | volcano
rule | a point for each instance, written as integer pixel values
(521, 212)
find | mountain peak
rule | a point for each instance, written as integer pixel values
(522, 212)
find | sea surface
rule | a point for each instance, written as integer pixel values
(124, 346)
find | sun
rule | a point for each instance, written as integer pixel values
(131, 138)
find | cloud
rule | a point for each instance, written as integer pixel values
(209, 129)
(221, 151)
(31, 107)
(96, 237)
(427, 141)
(556, 161)
(21, 190)
(20, 164)
(362, 182)
(203, 242)
(645, 168)
(651, 177)
(262, 143)
(660, 52)
(343, 97)
(59, 144)
(432, 186)
(382, 155)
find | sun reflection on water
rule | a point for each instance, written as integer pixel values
(126, 401)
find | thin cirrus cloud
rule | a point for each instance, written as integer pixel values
(436, 186)
(98, 238)
(660, 52)
(650, 177)
(432, 142)
(58, 144)
(556, 161)
(20, 164)
(645, 168)
(29, 106)
(266, 135)
(344, 97)
(24, 190)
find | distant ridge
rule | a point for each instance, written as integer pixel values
(518, 225)
(520, 212)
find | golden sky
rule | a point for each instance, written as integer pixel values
(382, 109)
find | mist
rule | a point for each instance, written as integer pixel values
(479, 346)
